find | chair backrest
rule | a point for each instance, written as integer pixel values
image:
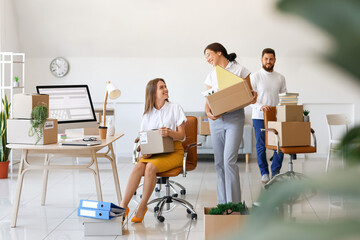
(269, 116)
(191, 137)
(338, 121)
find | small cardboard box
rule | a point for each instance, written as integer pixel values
(101, 227)
(151, 142)
(291, 134)
(204, 127)
(18, 132)
(24, 103)
(218, 226)
(289, 113)
(230, 99)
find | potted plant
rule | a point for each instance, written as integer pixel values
(16, 81)
(306, 115)
(4, 151)
(38, 119)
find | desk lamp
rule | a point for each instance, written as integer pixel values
(113, 92)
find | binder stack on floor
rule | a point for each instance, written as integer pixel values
(101, 218)
(288, 98)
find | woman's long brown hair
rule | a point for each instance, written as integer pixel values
(150, 95)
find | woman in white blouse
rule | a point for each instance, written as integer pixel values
(227, 129)
(170, 119)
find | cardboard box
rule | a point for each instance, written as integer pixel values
(18, 132)
(204, 127)
(151, 142)
(291, 134)
(230, 99)
(218, 226)
(24, 103)
(289, 113)
(100, 227)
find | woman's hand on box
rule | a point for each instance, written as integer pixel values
(145, 156)
(164, 132)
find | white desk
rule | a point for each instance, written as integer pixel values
(68, 151)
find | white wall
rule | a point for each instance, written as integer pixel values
(9, 39)
(130, 43)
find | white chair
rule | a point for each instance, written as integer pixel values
(335, 122)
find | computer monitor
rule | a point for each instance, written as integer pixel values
(71, 105)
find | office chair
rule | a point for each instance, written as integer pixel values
(335, 122)
(292, 151)
(189, 163)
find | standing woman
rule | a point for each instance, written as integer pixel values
(227, 129)
(170, 119)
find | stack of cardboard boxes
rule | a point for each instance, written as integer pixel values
(18, 127)
(289, 124)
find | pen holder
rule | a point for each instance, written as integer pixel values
(102, 132)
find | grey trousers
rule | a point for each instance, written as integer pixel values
(226, 136)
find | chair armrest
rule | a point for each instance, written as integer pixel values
(276, 136)
(314, 138)
(188, 147)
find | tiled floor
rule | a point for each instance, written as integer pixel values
(58, 219)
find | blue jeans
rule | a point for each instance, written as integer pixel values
(261, 151)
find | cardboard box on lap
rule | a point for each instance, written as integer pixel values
(18, 132)
(289, 113)
(151, 142)
(291, 134)
(204, 127)
(24, 103)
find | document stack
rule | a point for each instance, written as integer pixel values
(101, 218)
(288, 98)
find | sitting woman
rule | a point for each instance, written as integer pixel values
(169, 119)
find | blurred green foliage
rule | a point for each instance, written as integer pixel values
(341, 20)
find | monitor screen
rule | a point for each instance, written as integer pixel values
(70, 104)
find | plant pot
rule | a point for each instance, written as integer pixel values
(306, 118)
(4, 169)
(16, 84)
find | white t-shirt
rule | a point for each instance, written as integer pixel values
(268, 85)
(233, 67)
(171, 116)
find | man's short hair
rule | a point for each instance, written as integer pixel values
(268, 50)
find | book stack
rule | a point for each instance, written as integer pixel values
(288, 98)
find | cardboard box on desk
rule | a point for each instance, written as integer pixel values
(24, 103)
(151, 142)
(230, 99)
(101, 227)
(291, 134)
(289, 113)
(218, 226)
(18, 132)
(204, 127)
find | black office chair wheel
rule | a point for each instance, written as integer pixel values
(156, 209)
(194, 216)
(182, 191)
(134, 193)
(140, 195)
(175, 195)
(157, 189)
(188, 211)
(161, 218)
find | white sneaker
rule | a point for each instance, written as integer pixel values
(265, 178)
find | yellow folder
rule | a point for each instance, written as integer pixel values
(225, 78)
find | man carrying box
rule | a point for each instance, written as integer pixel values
(268, 84)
